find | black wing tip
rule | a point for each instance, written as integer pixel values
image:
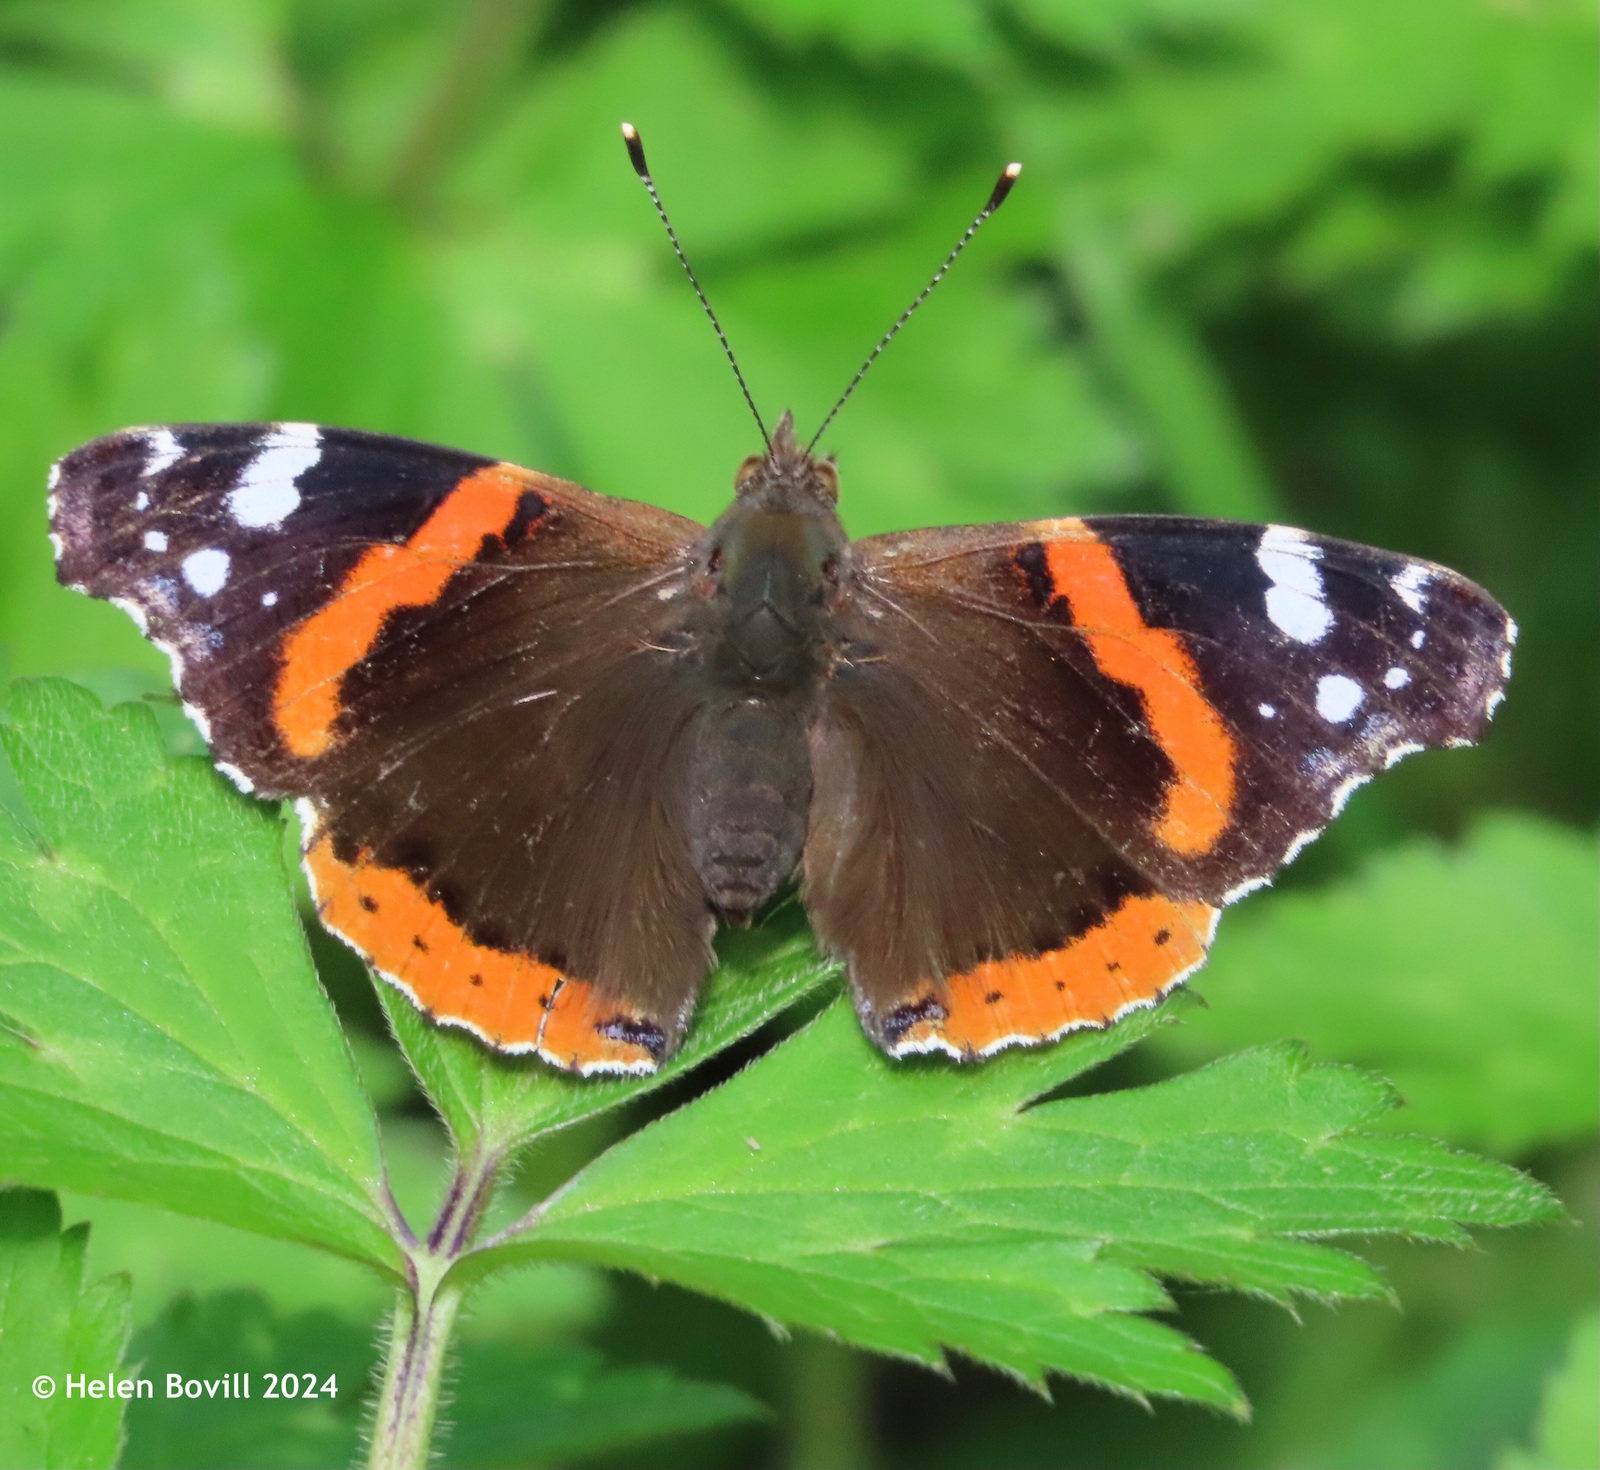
(98, 455)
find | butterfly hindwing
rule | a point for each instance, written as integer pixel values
(1092, 734)
(441, 657)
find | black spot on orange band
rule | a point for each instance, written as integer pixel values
(512, 1001)
(1133, 956)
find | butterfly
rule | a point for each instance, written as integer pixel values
(543, 741)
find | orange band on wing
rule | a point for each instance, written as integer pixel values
(512, 1001)
(1154, 662)
(1131, 958)
(323, 649)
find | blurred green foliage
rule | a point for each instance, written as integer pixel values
(1331, 263)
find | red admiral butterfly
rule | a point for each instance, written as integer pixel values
(544, 740)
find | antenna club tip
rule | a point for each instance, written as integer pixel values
(1002, 186)
(630, 136)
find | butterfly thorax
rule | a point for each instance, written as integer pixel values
(770, 570)
(768, 592)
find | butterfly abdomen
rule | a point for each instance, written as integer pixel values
(749, 791)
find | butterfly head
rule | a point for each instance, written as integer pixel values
(788, 478)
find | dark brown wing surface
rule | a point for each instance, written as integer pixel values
(1056, 750)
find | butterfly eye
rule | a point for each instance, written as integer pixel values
(828, 479)
(747, 471)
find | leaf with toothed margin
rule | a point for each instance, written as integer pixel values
(921, 1208)
(1464, 972)
(494, 1102)
(55, 1321)
(163, 1037)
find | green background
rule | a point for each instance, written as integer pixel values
(1333, 265)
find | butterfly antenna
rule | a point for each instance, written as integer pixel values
(630, 136)
(997, 197)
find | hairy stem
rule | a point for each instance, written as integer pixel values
(424, 1315)
(403, 1431)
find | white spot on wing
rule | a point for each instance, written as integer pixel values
(1338, 697)
(1493, 703)
(206, 571)
(155, 540)
(1396, 678)
(141, 501)
(162, 451)
(266, 491)
(1400, 752)
(54, 479)
(58, 544)
(1410, 582)
(1295, 599)
(1419, 638)
(1267, 711)
(269, 599)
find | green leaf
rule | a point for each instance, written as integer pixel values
(55, 1323)
(168, 1254)
(204, 1339)
(914, 1209)
(517, 1405)
(492, 1103)
(162, 1035)
(1568, 1431)
(1466, 974)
